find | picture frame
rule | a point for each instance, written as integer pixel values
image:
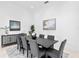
(14, 25)
(49, 24)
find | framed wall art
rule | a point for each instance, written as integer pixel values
(14, 25)
(49, 24)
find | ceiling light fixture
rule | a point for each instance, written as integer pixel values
(46, 2)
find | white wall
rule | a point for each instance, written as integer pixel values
(67, 22)
(14, 12)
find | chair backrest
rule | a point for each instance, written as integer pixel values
(50, 37)
(18, 40)
(62, 48)
(34, 48)
(41, 36)
(24, 41)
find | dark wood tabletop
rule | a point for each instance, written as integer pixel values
(46, 42)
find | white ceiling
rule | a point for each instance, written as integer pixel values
(32, 5)
(26, 4)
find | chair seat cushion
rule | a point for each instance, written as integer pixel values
(52, 53)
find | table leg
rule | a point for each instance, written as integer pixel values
(45, 53)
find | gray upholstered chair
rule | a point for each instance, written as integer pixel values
(50, 37)
(24, 43)
(35, 51)
(56, 53)
(19, 45)
(41, 36)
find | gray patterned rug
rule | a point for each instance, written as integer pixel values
(15, 53)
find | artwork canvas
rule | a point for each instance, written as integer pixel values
(14, 25)
(49, 24)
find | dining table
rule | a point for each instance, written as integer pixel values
(47, 43)
(44, 42)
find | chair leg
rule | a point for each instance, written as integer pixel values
(17, 47)
(31, 56)
(20, 48)
(23, 51)
(27, 53)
